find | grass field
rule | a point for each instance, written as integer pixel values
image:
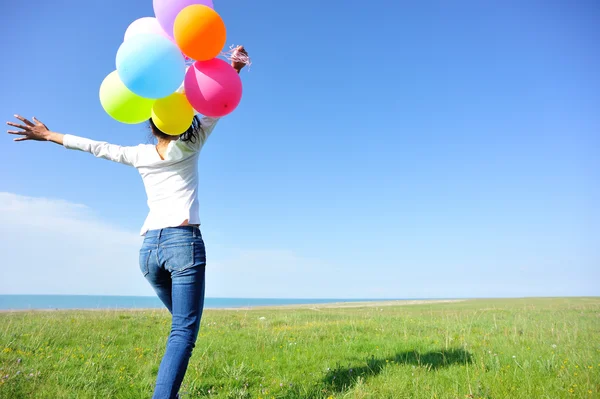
(510, 348)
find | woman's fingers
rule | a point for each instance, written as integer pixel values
(24, 120)
(240, 49)
(26, 128)
(37, 121)
(18, 125)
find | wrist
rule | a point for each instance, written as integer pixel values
(54, 137)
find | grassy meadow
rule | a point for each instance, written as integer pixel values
(509, 348)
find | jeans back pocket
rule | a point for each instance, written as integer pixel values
(179, 257)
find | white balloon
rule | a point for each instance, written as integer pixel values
(145, 25)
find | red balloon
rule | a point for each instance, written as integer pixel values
(213, 87)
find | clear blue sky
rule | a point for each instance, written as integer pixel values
(381, 149)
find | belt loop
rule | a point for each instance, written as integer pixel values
(195, 230)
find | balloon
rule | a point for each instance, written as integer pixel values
(173, 114)
(200, 32)
(150, 65)
(121, 104)
(213, 87)
(145, 25)
(181, 88)
(166, 11)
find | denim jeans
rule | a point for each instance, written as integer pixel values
(173, 260)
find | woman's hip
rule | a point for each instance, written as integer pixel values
(175, 248)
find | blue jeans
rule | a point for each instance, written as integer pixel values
(173, 260)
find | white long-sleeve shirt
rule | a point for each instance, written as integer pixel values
(171, 183)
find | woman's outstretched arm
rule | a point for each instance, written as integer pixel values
(238, 62)
(37, 131)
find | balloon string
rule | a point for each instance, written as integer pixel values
(189, 61)
(230, 55)
(236, 56)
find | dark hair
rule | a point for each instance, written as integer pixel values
(192, 134)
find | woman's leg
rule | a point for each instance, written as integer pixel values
(185, 259)
(188, 301)
(159, 278)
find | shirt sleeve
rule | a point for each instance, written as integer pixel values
(100, 149)
(207, 124)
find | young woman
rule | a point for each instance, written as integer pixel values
(172, 257)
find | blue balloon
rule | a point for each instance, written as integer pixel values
(150, 65)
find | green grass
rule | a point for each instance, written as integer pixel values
(517, 348)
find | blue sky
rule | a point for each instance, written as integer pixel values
(381, 150)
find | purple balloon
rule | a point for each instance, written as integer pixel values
(166, 11)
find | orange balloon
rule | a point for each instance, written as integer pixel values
(199, 32)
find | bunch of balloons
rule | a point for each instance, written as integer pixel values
(167, 68)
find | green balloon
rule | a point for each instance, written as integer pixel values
(121, 103)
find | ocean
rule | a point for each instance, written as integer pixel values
(22, 302)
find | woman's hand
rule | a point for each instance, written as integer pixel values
(239, 58)
(29, 130)
(35, 130)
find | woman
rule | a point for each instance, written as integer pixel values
(172, 257)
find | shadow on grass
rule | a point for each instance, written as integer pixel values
(341, 379)
(337, 380)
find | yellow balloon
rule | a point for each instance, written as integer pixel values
(121, 103)
(173, 114)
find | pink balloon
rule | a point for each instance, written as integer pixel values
(213, 87)
(145, 25)
(166, 11)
